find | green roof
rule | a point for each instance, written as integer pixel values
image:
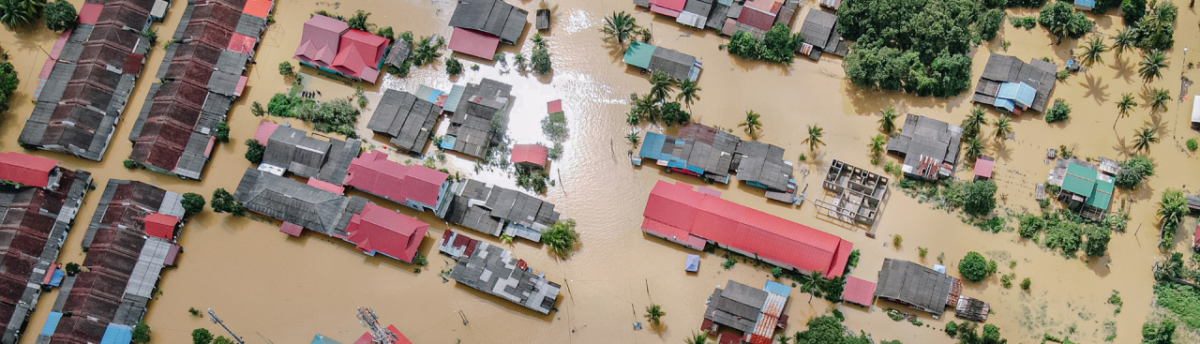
(638, 54)
(1079, 180)
(1102, 195)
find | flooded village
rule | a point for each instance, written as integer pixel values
(617, 171)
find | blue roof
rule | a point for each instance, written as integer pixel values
(448, 141)
(1019, 93)
(693, 263)
(51, 323)
(1000, 103)
(777, 288)
(652, 147)
(319, 339)
(117, 334)
(56, 279)
(1086, 3)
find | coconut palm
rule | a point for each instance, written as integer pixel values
(696, 338)
(975, 120)
(887, 123)
(1159, 98)
(1003, 127)
(1092, 51)
(1172, 209)
(1124, 40)
(974, 148)
(1151, 66)
(877, 143)
(1123, 107)
(751, 125)
(812, 285)
(1143, 138)
(814, 137)
(783, 338)
(619, 25)
(539, 42)
(660, 86)
(689, 93)
(654, 314)
(18, 13)
(645, 107)
(633, 138)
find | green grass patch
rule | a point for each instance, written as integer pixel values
(1182, 300)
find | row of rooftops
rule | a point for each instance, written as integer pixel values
(201, 77)
(293, 150)
(495, 271)
(471, 131)
(35, 215)
(130, 239)
(331, 45)
(756, 313)
(494, 210)
(701, 150)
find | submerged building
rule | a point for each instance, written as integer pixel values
(857, 193)
(674, 64)
(331, 45)
(1015, 86)
(415, 186)
(926, 289)
(494, 210)
(86, 82)
(698, 151)
(292, 150)
(821, 36)
(36, 212)
(756, 313)
(481, 25)
(1084, 188)
(928, 146)
(480, 117)
(407, 120)
(495, 271)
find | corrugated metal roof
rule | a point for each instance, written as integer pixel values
(26, 169)
(638, 54)
(859, 291)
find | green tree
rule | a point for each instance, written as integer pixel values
(254, 151)
(814, 137)
(751, 125)
(1059, 112)
(72, 269)
(654, 314)
(223, 340)
(223, 202)
(1159, 97)
(673, 114)
(386, 32)
(561, 238)
(1158, 332)
(59, 15)
(812, 285)
(973, 267)
(1030, 226)
(1172, 208)
(973, 149)
(1003, 127)
(1133, 171)
(1125, 39)
(8, 84)
(19, 13)
(689, 92)
(619, 26)
(257, 110)
(193, 203)
(1097, 240)
(359, 20)
(1025, 283)
(1151, 66)
(660, 86)
(1093, 51)
(877, 144)
(141, 332)
(1133, 10)
(991, 334)
(1061, 19)
(221, 132)
(285, 69)
(979, 197)
(887, 120)
(827, 330)
(1123, 107)
(1144, 137)
(201, 336)
(974, 122)
(453, 66)
(541, 55)
(951, 328)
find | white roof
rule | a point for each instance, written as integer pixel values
(1196, 109)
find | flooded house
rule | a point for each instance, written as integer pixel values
(130, 239)
(928, 146)
(38, 203)
(859, 291)
(674, 64)
(728, 17)
(381, 230)
(480, 117)
(332, 46)
(762, 166)
(699, 150)
(857, 194)
(1015, 86)
(1083, 187)
(925, 289)
(86, 81)
(413, 186)
(398, 53)
(680, 214)
(406, 119)
(293, 150)
(481, 25)
(494, 210)
(201, 76)
(821, 36)
(495, 271)
(529, 155)
(756, 313)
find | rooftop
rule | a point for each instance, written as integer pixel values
(291, 201)
(493, 270)
(755, 312)
(374, 173)
(914, 285)
(1038, 75)
(929, 147)
(378, 229)
(331, 44)
(407, 119)
(26, 169)
(762, 165)
(471, 127)
(529, 154)
(493, 17)
(306, 156)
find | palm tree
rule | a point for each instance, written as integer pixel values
(619, 25)
(1123, 107)
(975, 120)
(645, 107)
(783, 338)
(1143, 138)
(877, 143)
(812, 285)
(654, 314)
(633, 138)
(1092, 51)
(1159, 98)
(1124, 40)
(974, 148)
(696, 338)
(1002, 128)
(18, 13)
(689, 93)
(814, 137)
(539, 42)
(660, 86)
(888, 122)
(1172, 209)
(1151, 66)
(751, 124)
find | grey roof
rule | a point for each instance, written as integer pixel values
(737, 306)
(144, 197)
(675, 64)
(296, 152)
(699, 7)
(818, 26)
(762, 163)
(787, 12)
(291, 201)
(144, 113)
(228, 71)
(471, 124)
(925, 136)
(1003, 68)
(494, 17)
(250, 26)
(543, 19)
(399, 52)
(487, 209)
(915, 285)
(464, 214)
(717, 17)
(492, 270)
(149, 264)
(407, 119)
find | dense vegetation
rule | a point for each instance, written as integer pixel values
(192, 203)
(778, 45)
(19, 13)
(656, 106)
(1155, 30)
(1061, 19)
(918, 46)
(8, 83)
(1058, 112)
(223, 202)
(336, 116)
(979, 197)
(828, 330)
(1133, 171)
(59, 15)
(254, 151)
(974, 267)
(1180, 299)
(541, 55)
(561, 238)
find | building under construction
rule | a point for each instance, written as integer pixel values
(856, 194)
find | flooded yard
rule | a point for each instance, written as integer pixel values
(272, 288)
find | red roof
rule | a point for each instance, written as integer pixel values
(664, 11)
(26, 169)
(161, 225)
(554, 106)
(859, 291)
(89, 13)
(366, 337)
(242, 44)
(679, 208)
(359, 54)
(265, 129)
(984, 166)
(374, 173)
(319, 40)
(379, 229)
(674, 5)
(756, 18)
(258, 8)
(474, 43)
(320, 184)
(529, 154)
(1196, 237)
(291, 229)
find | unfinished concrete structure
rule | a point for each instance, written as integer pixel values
(857, 194)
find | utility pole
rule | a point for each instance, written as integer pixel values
(381, 335)
(216, 320)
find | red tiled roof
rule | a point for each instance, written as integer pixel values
(26, 169)
(529, 154)
(319, 40)
(379, 229)
(373, 172)
(859, 291)
(89, 12)
(684, 210)
(474, 43)
(258, 8)
(161, 225)
(359, 54)
(264, 132)
(756, 18)
(554, 106)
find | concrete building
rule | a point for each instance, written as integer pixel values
(857, 193)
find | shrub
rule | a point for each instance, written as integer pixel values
(1158, 333)
(1133, 171)
(896, 240)
(1025, 284)
(201, 336)
(1006, 281)
(72, 269)
(285, 69)
(141, 333)
(979, 198)
(973, 267)
(1133, 10)
(1030, 226)
(223, 202)
(541, 60)
(951, 328)
(8, 84)
(776, 272)
(1059, 112)
(130, 164)
(1192, 145)
(256, 109)
(921, 252)
(254, 151)
(221, 132)
(672, 114)
(989, 23)
(194, 312)
(554, 126)
(60, 15)
(192, 203)
(453, 66)
(1061, 19)
(561, 238)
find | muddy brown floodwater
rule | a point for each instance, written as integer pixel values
(269, 287)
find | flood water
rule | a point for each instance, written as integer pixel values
(271, 288)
